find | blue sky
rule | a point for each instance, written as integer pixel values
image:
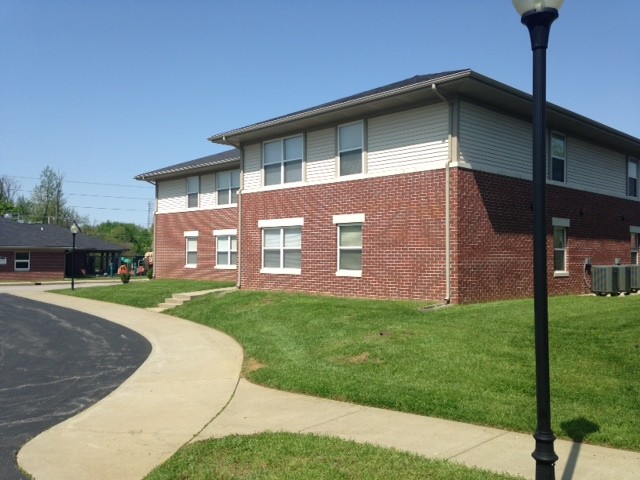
(104, 90)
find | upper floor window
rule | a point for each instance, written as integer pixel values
(283, 160)
(558, 157)
(632, 177)
(228, 186)
(22, 261)
(193, 191)
(351, 148)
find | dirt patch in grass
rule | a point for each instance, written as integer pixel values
(364, 357)
(252, 365)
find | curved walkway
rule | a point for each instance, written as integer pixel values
(189, 389)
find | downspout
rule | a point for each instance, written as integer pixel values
(239, 229)
(447, 201)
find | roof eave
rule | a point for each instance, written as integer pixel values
(315, 117)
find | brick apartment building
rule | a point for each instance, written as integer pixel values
(417, 190)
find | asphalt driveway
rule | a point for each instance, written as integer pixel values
(54, 363)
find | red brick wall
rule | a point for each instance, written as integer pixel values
(493, 253)
(43, 266)
(170, 249)
(403, 236)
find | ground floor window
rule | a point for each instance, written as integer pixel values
(560, 227)
(22, 262)
(191, 247)
(226, 248)
(635, 246)
(281, 245)
(349, 230)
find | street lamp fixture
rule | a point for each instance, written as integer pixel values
(538, 15)
(74, 230)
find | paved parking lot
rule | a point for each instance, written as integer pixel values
(55, 362)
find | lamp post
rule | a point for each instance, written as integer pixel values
(74, 230)
(538, 15)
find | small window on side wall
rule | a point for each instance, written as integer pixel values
(22, 262)
(193, 191)
(632, 177)
(351, 148)
(558, 163)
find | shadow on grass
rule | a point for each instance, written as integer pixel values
(577, 429)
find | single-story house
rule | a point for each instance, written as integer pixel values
(37, 252)
(416, 190)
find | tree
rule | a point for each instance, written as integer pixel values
(47, 203)
(137, 239)
(9, 188)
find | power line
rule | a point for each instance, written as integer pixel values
(80, 182)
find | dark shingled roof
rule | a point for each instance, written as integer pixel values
(218, 159)
(32, 236)
(415, 80)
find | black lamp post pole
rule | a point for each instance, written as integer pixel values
(73, 262)
(539, 25)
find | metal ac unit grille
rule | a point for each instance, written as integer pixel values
(614, 279)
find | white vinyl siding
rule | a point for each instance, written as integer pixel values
(252, 175)
(171, 195)
(408, 141)
(208, 191)
(493, 142)
(321, 156)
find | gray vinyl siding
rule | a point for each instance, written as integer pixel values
(595, 169)
(494, 142)
(411, 140)
(321, 156)
(498, 143)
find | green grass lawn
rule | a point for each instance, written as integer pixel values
(472, 363)
(143, 294)
(283, 456)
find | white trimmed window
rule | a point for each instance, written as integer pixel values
(22, 262)
(228, 184)
(351, 148)
(560, 226)
(193, 192)
(191, 247)
(282, 246)
(349, 229)
(558, 163)
(635, 245)
(283, 160)
(226, 248)
(632, 177)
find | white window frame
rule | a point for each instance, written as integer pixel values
(284, 161)
(348, 220)
(232, 190)
(561, 225)
(281, 225)
(632, 177)
(635, 245)
(192, 182)
(189, 238)
(230, 235)
(553, 157)
(342, 151)
(21, 261)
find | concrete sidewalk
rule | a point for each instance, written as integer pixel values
(189, 389)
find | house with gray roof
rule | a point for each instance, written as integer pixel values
(421, 189)
(37, 252)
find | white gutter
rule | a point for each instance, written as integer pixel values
(447, 201)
